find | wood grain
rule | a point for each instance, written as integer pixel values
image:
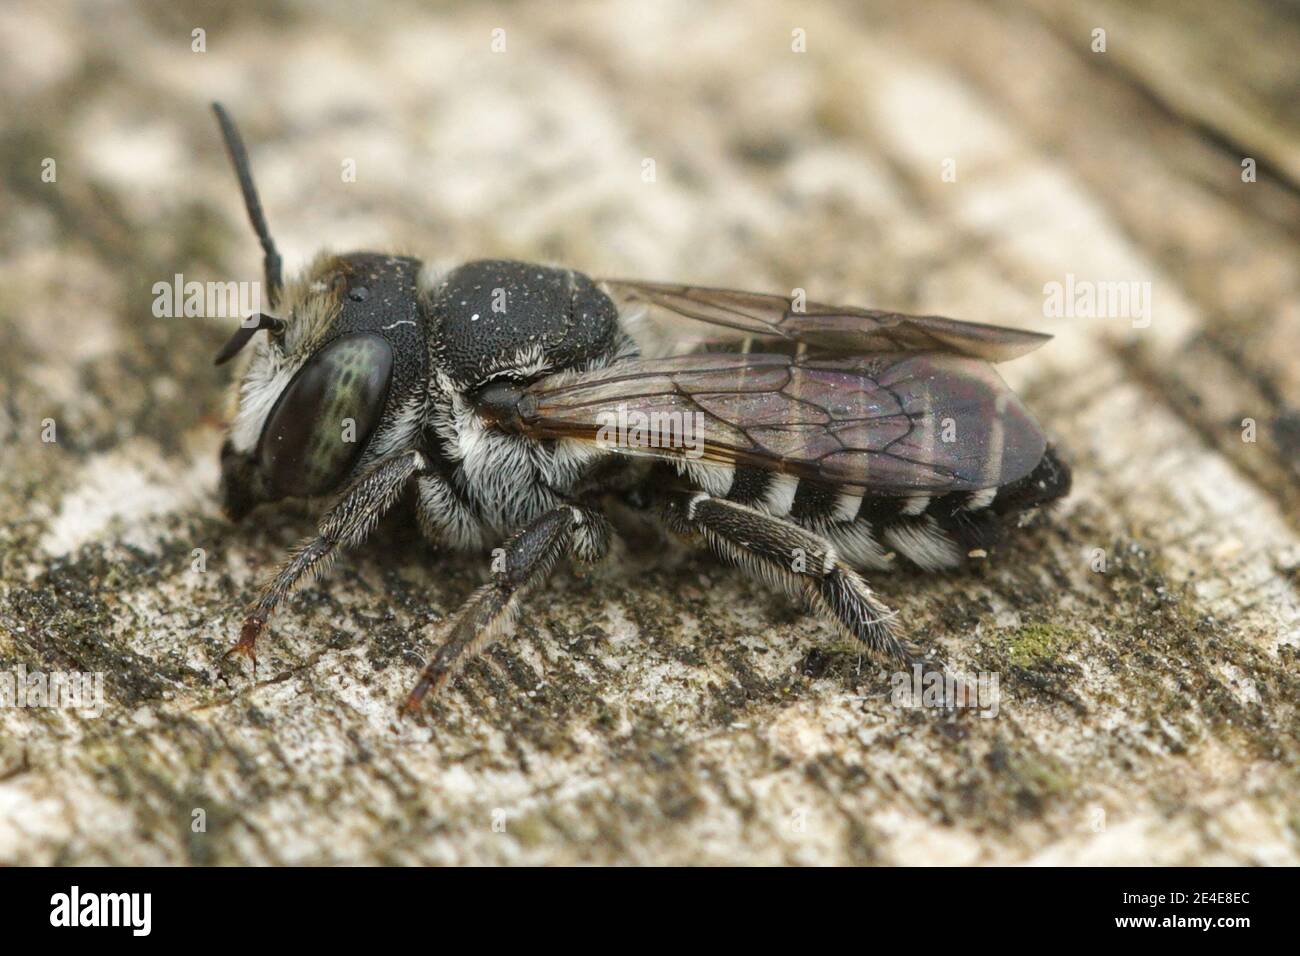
(663, 709)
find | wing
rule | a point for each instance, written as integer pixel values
(902, 423)
(725, 317)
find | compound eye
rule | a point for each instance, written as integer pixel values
(321, 422)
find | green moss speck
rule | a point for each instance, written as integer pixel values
(1038, 643)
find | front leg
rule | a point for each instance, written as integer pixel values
(526, 559)
(345, 525)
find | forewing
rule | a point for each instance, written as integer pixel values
(902, 423)
(726, 318)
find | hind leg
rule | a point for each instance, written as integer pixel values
(801, 561)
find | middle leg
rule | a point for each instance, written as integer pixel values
(526, 559)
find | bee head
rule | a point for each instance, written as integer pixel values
(312, 394)
(322, 393)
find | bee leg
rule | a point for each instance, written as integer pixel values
(345, 525)
(802, 562)
(526, 559)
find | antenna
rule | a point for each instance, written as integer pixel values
(239, 157)
(245, 332)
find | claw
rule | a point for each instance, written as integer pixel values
(246, 645)
(415, 699)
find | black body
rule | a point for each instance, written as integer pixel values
(485, 313)
(825, 446)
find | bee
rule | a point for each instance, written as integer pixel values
(524, 404)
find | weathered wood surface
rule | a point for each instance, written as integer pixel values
(676, 712)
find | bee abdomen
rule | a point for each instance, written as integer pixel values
(749, 486)
(931, 532)
(1048, 482)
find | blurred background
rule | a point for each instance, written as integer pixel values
(951, 157)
